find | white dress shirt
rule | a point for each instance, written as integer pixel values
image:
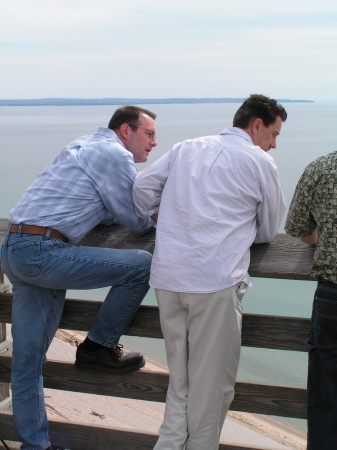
(217, 195)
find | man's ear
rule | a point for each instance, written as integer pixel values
(255, 126)
(124, 131)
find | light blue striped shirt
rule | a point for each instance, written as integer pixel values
(89, 183)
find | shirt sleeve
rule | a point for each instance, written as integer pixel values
(300, 221)
(149, 185)
(271, 210)
(113, 176)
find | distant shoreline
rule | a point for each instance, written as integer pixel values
(126, 101)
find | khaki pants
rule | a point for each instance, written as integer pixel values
(202, 335)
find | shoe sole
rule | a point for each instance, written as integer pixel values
(93, 368)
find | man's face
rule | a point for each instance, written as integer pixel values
(142, 139)
(265, 137)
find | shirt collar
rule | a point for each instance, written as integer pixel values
(238, 132)
(109, 134)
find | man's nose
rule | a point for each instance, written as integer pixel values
(154, 142)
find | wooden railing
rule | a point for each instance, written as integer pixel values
(285, 258)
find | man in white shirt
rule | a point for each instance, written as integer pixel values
(214, 197)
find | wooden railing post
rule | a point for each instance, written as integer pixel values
(4, 387)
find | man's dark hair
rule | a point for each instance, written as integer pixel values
(258, 107)
(128, 114)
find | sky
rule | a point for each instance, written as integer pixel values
(174, 48)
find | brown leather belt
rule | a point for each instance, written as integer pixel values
(34, 229)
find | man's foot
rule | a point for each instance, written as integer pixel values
(112, 359)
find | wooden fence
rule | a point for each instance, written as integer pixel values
(284, 258)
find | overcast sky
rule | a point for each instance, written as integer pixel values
(171, 48)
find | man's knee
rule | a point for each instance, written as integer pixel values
(146, 260)
(143, 263)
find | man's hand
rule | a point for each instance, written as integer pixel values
(311, 239)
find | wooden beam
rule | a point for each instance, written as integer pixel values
(152, 386)
(82, 436)
(270, 399)
(277, 332)
(286, 257)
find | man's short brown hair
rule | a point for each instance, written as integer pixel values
(258, 106)
(128, 114)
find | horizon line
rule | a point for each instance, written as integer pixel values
(68, 101)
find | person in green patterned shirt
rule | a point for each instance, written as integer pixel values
(312, 217)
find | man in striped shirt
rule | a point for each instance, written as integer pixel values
(89, 183)
(214, 197)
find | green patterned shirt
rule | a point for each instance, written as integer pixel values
(314, 207)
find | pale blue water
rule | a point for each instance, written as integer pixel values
(30, 138)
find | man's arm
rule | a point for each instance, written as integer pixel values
(300, 221)
(271, 211)
(112, 171)
(148, 187)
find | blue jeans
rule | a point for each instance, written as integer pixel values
(41, 269)
(322, 369)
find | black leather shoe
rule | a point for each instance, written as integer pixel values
(112, 359)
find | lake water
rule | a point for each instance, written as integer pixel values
(32, 136)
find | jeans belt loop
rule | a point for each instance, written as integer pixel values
(48, 233)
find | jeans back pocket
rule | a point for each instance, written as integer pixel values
(25, 258)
